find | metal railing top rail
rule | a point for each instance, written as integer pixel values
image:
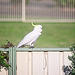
(42, 49)
(36, 49)
(3, 49)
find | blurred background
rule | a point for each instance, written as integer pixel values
(48, 13)
(31, 10)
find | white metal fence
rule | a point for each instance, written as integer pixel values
(41, 63)
(37, 10)
(37, 61)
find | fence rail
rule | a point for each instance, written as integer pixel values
(36, 61)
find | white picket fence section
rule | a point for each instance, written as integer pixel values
(37, 11)
(40, 63)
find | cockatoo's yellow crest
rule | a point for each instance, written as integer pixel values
(33, 25)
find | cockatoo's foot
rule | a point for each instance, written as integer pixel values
(31, 47)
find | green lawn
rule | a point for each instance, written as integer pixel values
(53, 35)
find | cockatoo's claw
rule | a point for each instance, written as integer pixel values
(31, 47)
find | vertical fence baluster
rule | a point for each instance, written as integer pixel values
(14, 60)
(10, 61)
(61, 62)
(45, 63)
(23, 10)
(30, 62)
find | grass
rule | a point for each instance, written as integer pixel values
(53, 35)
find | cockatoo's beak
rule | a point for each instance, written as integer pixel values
(33, 25)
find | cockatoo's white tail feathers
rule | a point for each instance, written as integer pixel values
(20, 45)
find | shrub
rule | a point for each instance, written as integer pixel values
(4, 56)
(70, 70)
(4, 60)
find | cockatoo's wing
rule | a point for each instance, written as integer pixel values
(29, 39)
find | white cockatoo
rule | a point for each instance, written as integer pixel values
(31, 37)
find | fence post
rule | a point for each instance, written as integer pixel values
(12, 61)
(23, 10)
